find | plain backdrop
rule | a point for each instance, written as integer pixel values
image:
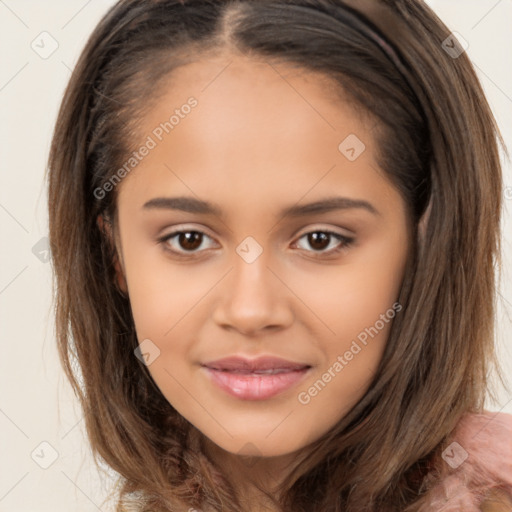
(44, 454)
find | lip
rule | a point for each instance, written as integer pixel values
(262, 363)
(255, 379)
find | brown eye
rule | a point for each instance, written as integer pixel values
(189, 240)
(185, 242)
(320, 240)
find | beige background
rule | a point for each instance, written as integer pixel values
(36, 405)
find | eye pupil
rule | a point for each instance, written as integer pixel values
(315, 237)
(190, 240)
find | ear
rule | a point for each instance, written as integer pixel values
(106, 228)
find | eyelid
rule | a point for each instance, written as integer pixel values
(323, 228)
(186, 227)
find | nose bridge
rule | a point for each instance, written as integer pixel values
(251, 279)
(252, 298)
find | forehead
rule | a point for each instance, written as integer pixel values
(255, 99)
(259, 129)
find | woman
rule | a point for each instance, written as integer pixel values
(204, 154)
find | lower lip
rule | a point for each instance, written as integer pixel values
(253, 386)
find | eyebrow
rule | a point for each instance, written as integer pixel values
(193, 205)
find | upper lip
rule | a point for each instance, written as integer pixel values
(251, 365)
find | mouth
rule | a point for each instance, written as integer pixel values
(257, 379)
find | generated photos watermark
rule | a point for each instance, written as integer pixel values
(305, 397)
(151, 142)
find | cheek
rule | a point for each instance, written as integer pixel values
(352, 297)
(165, 302)
(360, 311)
(162, 292)
(357, 303)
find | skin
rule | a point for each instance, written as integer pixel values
(259, 141)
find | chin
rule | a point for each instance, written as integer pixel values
(258, 445)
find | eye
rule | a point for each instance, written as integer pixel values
(184, 241)
(319, 240)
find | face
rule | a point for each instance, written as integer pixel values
(287, 241)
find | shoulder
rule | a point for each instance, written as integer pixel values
(477, 465)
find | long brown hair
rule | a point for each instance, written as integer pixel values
(438, 143)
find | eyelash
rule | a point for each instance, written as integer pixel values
(345, 242)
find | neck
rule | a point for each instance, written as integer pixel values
(252, 477)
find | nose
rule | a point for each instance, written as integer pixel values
(253, 299)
